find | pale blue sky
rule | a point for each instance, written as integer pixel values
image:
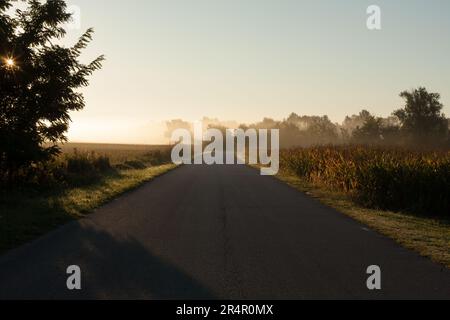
(249, 59)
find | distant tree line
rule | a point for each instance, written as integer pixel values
(420, 124)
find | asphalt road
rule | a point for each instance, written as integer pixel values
(218, 232)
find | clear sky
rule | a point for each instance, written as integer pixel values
(249, 59)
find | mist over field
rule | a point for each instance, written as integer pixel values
(419, 123)
(363, 128)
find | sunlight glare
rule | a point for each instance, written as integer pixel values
(10, 63)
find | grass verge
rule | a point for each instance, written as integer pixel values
(24, 217)
(427, 236)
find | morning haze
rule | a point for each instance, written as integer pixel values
(248, 60)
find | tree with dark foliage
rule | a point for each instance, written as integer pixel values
(38, 83)
(371, 132)
(422, 120)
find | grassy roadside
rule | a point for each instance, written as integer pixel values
(24, 217)
(429, 237)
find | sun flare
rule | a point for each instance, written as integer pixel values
(10, 63)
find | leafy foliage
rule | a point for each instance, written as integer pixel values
(38, 82)
(421, 119)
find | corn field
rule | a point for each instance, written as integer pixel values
(393, 179)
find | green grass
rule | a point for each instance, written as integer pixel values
(30, 213)
(427, 236)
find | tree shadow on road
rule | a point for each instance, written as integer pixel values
(111, 268)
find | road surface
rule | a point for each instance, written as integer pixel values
(217, 232)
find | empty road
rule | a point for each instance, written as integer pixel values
(217, 232)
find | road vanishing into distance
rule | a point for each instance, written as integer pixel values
(217, 232)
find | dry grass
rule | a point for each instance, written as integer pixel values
(117, 153)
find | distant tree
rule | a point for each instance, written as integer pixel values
(321, 130)
(421, 119)
(38, 82)
(291, 135)
(350, 124)
(311, 130)
(268, 123)
(370, 132)
(368, 129)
